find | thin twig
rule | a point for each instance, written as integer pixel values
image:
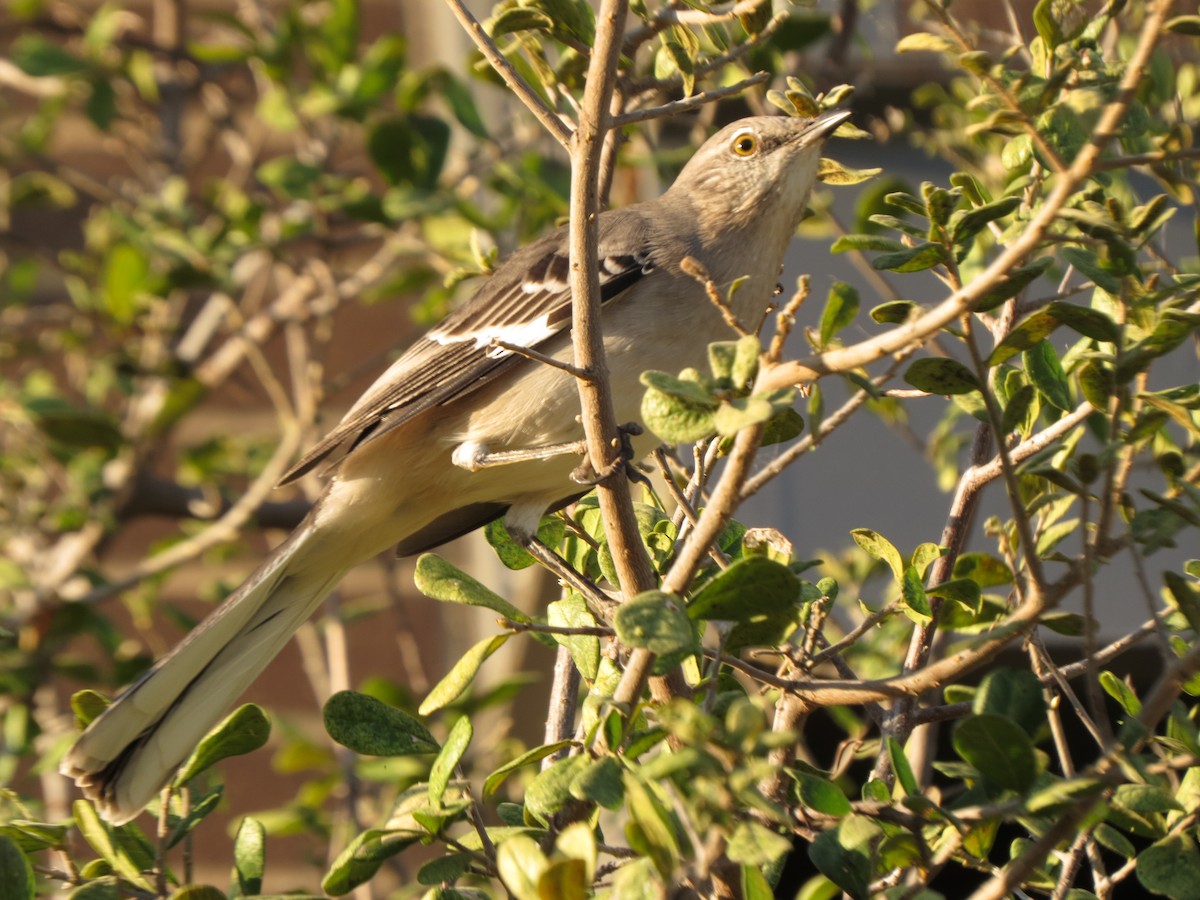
(517, 84)
(687, 104)
(693, 267)
(542, 628)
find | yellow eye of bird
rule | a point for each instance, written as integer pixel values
(745, 144)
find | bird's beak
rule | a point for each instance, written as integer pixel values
(817, 129)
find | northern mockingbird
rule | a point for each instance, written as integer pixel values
(435, 447)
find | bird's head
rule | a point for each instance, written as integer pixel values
(760, 166)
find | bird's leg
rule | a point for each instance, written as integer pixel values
(473, 456)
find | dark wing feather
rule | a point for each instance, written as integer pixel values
(524, 304)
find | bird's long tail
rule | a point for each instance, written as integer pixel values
(129, 752)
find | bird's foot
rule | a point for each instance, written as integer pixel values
(585, 473)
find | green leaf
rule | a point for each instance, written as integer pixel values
(126, 271)
(902, 768)
(1121, 692)
(830, 171)
(201, 806)
(677, 55)
(915, 602)
(1046, 372)
(106, 888)
(750, 588)
(653, 620)
(572, 612)
(566, 878)
(755, 885)
(840, 309)
(249, 858)
(1144, 798)
(1177, 411)
(688, 390)
(1175, 327)
(1111, 839)
(459, 678)
(289, 176)
(650, 830)
(511, 554)
(1086, 262)
(721, 358)
(1013, 694)
(1089, 322)
(35, 55)
(1046, 23)
(863, 242)
(1066, 624)
(672, 418)
(550, 790)
(359, 862)
(999, 750)
(519, 18)
(600, 782)
(746, 351)
(911, 259)
(756, 845)
(410, 150)
(445, 869)
(31, 837)
(1061, 794)
(742, 412)
(966, 224)
(373, 728)
(1016, 153)
(925, 554)
(197, 892)
(1050, 538)
(894, 312)
(1184, 598)
(845, 862)
(879, 547)
(572, 18)
(1012, 284)
(440, 580)
(924, 42)
(638, 880)
(1096, 383)
(1018, 409)
(1185, 25)
(784, 425)
(17, 881)
(822, 795)
(87, 706)
(941, 376)
(520, 863)
(499, 776)
(1028, 334)
(107, 845)
(101, 105)
(447, 761)
(243, 731)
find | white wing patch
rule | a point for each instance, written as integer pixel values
(518, 334)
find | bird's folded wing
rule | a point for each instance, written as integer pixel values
(524, 304)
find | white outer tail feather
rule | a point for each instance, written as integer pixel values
(126, 756)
